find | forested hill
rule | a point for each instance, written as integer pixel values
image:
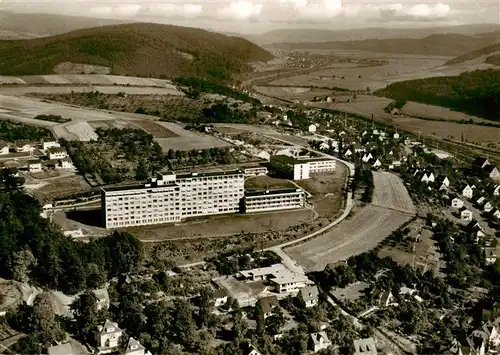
(493, 59)
(436, 44)
(140, 49)
(476, 93)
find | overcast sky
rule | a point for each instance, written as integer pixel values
(254, 16)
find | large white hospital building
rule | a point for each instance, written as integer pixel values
(173, 197)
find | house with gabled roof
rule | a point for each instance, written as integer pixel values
(495, 213)
(445, 181)
(135, 348)
(309, 295)
(496, 190)
(319, 341)
(480, 201)
(376, 163)
(467, 191)
(367, 157)
(466, 215)
(457, 203)
(487, 207)
(267, 305)
(492, 172)
(108, 337)
(480, 162)
(348, 153)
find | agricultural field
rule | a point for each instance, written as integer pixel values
(399, 67)
(168, 107)
(187, 140)
(417, 109)
(291, 92)
(362, 231)
(49, 189)
(44, 91)
(77, 79)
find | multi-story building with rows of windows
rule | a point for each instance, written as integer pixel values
(172, 197)
(273, 200)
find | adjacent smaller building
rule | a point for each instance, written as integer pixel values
(309, 296)
(56, 153)
(457, 203)
(300, 169)
(466, 215)
(34, 166)
(50, 144)
(255, 171)
(273, 200)
(319, 341)
(220, 297)
(135, 348)
(267, 305)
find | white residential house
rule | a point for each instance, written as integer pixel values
(319, 341)
(251, 350)
(492, 172)
(108, 337)
(66, 163)
(367, 157)
(457, 203)
(386, 299)
(466, 215)
(57, 153)
(348, 153)
(4, 148)
(496, 190)
(267, 305)
(487, 207)
(468, 191)
(324, 146)
(481, 200)
(34, 166)
(377, 164)
(135, 348)
(395, 135)
(50, 144)
(495, 213)
(24, 147)
(365, 347)
(312, 128)
(309, 296)
(220, 297)
(446, 182)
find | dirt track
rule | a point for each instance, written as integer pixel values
(392, 206)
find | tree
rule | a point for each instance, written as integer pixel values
(183, 328)
(86, 313)
(44, 321)
(22, 263)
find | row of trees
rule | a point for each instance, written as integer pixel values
(11, 131)
(363, 178)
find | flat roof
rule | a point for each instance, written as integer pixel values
(284, 159)
(136, 187)
(252, 193)
(209, 173)
(310, 160)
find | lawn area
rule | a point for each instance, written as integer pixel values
(268, 182)
(326, 190)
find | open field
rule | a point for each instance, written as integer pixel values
(76, 79)
(84, 121)
(267, 182)
(110, 90)
(362, 231)
(400, 67)
(187, 140)
(216, 226)
(47, 190)
(417, 109)
(291, 92)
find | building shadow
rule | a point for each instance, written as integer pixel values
(87, 217)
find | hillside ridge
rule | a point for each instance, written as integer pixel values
(449, 44)
(137, 49)
(476, 54)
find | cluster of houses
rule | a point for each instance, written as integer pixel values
(54, 156)
(282, 282)
(107, 339)
(482, 341)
